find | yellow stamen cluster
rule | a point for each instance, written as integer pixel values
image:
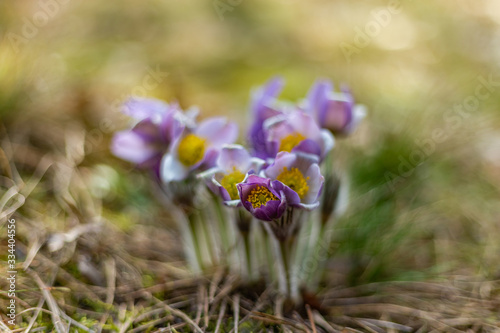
(229, 182)
(191, 149)
(259, 196)
(294, 179)
(290, 141)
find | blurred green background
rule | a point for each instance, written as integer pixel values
(65, 67)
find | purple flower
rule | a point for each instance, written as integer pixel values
(197, 148)
(232, 166)
(146, 142)
(334, 111)
(263, 106)
(301, 177)
(145, 108)
(263, 198)
(297, 132)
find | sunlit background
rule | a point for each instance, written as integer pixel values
(424, 165)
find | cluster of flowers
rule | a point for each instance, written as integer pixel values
(280, 172)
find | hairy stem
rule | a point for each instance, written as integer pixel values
(223, 227)
(194, 241)
(285, 257)
(248, 257)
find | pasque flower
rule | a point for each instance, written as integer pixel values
(301, 176)
(335, 111)
(157, 125)
(293, 180)
(297, 131)
(197, 148)
(263, 198)
(264, 105)
(232, 166)
(274, 181)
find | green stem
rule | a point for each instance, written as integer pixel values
(248, 258)
(268, 252)
(192, 229)
(208, 231)
(222, 223)
(278, 266)
(329, 163)
(322, 249)
(285, 255)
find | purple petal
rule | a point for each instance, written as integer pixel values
(273, 87)
(304, 161)
(171, 127)
(218, 131)
(283, 159)
(272, 149)
(264, 213)
(315, 182)
(264, 96)
(147, 130)
(263, 107)
(272, 210)
(316, 96)
(297, 122)
(341, 115)
(256, 180)
(209, 176)
(209, 159)
(336, 116)
(308, 167)
(257, 139)
(292, 198)
(234, 156)
(224, 194)
(258, 136)
(304, 124)
(251, 182)
(132, 147)
(144, 108)
(243, 190)
(308, 146)
(278, 127)
(289, 160)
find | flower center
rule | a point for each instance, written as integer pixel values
(259, 196)
(295, 180)
(290, 141)
(229, 182)
(191, 149)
